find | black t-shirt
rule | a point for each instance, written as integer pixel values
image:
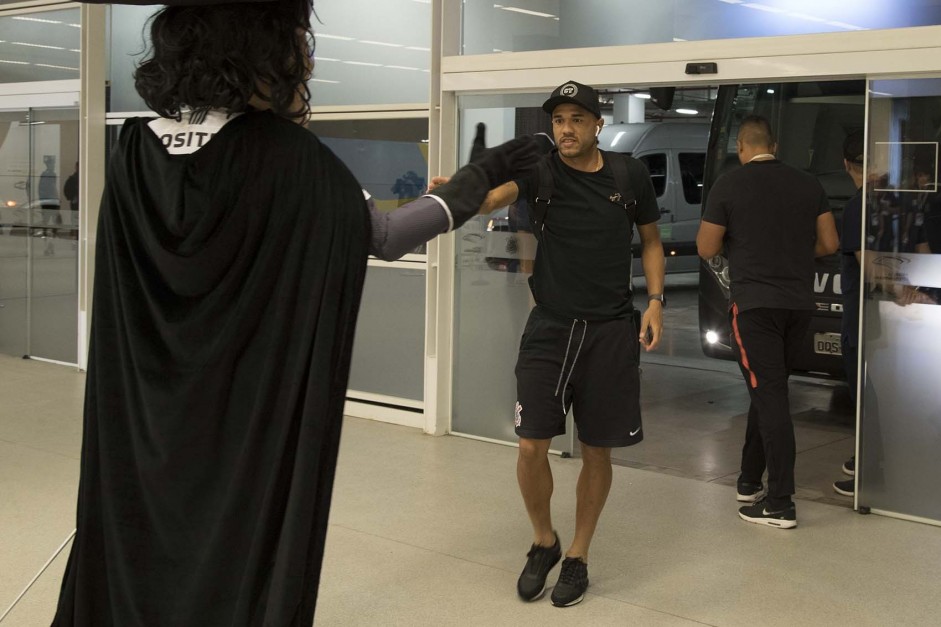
(769, 210)
(583, 263)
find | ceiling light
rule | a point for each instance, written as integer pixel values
(642, 95)
(846, 26)
(363, 63)
(809, 18)
(420, 48)
(404, 67)
(57, 67)
(322, 80)
(763, 7)
(340, 37)
(325, 59)
(23, 43)
(688, 111)
(37, 19)
(770, 91)
(379, 43)
(524, 11)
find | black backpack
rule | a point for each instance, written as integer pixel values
(545, 185)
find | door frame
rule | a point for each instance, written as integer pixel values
(40, 96)
(893, 53)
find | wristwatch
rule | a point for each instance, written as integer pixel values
(660, 297)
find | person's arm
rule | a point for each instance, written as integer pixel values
(397, 232)
(652, 257)
(498, 197)
(709, 239)
(451, 203)
(715, 221)
(828, 241)
(501, 196)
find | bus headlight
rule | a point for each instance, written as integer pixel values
(712, 337)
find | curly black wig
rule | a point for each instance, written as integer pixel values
(219, 57)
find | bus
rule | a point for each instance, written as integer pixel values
(810, 121)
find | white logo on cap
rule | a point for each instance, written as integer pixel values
(568, 90)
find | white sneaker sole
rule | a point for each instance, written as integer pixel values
(570, 603)
(843, 492)
(769, 522)
(748, 498)
(848, 473)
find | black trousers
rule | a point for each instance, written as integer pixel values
(766, 342)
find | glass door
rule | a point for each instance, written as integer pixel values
(898, 467)
(39, 233)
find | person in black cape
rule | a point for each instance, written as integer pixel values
(231, 252)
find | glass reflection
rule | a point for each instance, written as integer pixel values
(900, 421)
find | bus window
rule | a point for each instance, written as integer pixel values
(810, 121)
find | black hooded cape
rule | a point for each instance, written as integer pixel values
(226, 290)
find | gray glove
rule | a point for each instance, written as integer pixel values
(465, 192)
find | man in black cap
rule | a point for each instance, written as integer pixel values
(580, 348)
(231, 253)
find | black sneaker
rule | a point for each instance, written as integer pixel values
(846, 487)
(572, 584)
(849, 467)
(532, 582)
(749, 492)
(761, 514)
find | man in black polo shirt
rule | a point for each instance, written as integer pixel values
(774, 220)
(580, 347)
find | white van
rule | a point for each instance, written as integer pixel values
(675, 155)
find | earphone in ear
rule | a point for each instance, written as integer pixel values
(597, 131)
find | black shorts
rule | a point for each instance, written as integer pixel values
(591, 367)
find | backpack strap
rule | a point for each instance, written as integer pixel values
(544, 186)
(622, 182)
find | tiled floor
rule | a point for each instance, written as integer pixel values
(431, 531)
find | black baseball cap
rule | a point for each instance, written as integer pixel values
(573, 93)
